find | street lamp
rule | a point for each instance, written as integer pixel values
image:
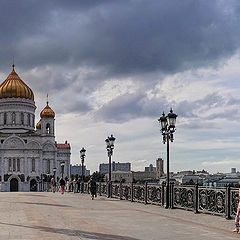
(167, 124)
(110, 146)
(82, 156)
(62, 168)
(54, 173)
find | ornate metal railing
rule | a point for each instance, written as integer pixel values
(218, 201)
(183, 197)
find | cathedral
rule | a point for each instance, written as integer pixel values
(29, 155)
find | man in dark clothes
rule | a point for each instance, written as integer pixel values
(93, 187)
(62, 185)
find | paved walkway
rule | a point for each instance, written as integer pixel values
(74, 216)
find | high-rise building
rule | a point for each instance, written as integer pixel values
(104, 167)
(151, 168)
(160, 169)
(77, 170)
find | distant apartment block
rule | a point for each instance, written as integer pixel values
(104, 167)
(77, 169)
(151, 168)
(159, 166)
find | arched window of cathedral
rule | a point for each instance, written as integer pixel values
(18, 165)
(9, 164)
(5, 118)
(13, 118)
(14, 164)
(48, 128)
(22, 118)
(28, 116)
(48, 166)
(33, 165)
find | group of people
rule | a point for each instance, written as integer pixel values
(74, 186)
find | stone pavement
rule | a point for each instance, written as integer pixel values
(74, 216)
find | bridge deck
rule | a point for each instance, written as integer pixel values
(75, 216)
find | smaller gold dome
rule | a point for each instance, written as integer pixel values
(38, 126)
(47, 112)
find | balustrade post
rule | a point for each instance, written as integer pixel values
(171, 195)
(132, 192)
(120, 190)
(228, 202)
(146, 193)
(163, 195)
(196, 198)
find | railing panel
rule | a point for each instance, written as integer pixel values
(116, 190)
(212, 200)
(138, 193)
(104, 187)
(183, 197)
(154, 194)
(126, 192)
(233, 201)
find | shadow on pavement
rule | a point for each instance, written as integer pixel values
(77, 233)
(47, 204)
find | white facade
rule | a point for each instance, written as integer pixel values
(28, 154)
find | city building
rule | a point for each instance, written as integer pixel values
(125, 167)
(77, 170)
(28, 153)
(160, 168)
(233, 170)
(132, 176)
(151, 168)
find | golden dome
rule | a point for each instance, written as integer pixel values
(38, 126)
(14, 87)
(47, 112)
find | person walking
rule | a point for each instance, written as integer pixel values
(93, 187)
(53, 185)
(62, 185)
(237, 218)
(74, 185)
(78, 184)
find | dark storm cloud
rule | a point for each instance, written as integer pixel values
(115, 39)
(122, 36)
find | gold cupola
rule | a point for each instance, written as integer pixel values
(38, 126)
(14, 87)
(47, 112)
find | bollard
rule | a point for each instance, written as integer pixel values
(120, 190)
(228, 202)
(132, 192)
(145, 193)
(100, 189)
(163, 195)
(171, 200)
(196, 198)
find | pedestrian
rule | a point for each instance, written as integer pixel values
(93, 187)
(74, 185)
(78, 184)
(62, 185)
(53, 185)
(237, 218)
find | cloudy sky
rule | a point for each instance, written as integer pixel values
(115, 66)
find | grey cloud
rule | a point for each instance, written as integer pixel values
(125, 37)
(131, 106)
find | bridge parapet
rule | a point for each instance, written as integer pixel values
(217, 201)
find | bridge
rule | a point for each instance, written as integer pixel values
(46, 215)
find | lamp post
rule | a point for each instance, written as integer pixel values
(82, 156)
(167, 124)
(62, 168)
(110, 146)
(54, 173)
